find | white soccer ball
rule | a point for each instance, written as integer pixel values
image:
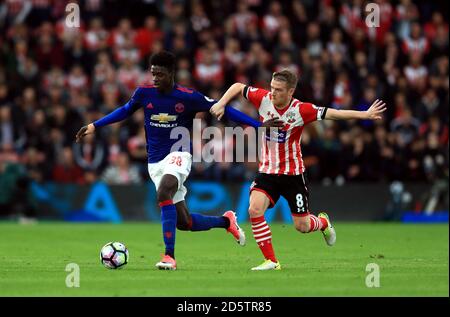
(114, 255)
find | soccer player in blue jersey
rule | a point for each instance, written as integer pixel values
(166, 106)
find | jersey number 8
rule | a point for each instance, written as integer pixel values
(300, 202)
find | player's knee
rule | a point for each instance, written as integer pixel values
(163, 195)
(255, 211)
(167, 188)
(166, 192)
(303, 227)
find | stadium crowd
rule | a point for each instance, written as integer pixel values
(54, 79)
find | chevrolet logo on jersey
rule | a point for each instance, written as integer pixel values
(163, 117)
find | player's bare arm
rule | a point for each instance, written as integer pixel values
(218, 109)
(373, 113)
(87, 129)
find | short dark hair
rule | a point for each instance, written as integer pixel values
(287, 76)
(164, 59)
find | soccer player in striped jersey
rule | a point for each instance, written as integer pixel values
(281, 168)
(167, 105)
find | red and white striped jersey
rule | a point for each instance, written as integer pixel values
(281, 152)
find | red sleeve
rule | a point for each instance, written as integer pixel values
(311, 112)
(254, 95)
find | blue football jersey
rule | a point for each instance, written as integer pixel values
(163, 112)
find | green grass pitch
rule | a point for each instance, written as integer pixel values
(413, 261)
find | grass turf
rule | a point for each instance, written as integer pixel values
(413, 261)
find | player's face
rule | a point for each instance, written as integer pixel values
(162, 77)
(281, 93)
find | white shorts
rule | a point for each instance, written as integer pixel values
(177, 164)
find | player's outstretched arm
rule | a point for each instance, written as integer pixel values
(117, 115)
(373, 113)
(218, 109)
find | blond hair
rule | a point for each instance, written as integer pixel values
(287, 76)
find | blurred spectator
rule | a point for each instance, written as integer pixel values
(341, 88)
(285, 62)
(335, 45)
(271, 21)
(439, 76)
(435, 159)
(174, 13)
(121, 35)
(416, 43)
(428, 105)
(416, 73)
(407, 12)
(66, 171)
(147, 35)
(54, 78)
(439, 45)
(208, 70)
(77, 80)
(406, 127)
(242, 18)
(314, 46)
(121, 173)
(199, 18)
(36, 165)
(77, 54)
(89, 155)
(49, 52)
(28, 72)
(233, 54)
(10, 132)
(128, 75)
(96, 37)
(101, 68)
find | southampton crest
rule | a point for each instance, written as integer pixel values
(290, 116)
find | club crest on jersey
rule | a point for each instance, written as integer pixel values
(163, 117)
(149, 106)
(290, 116)
(179, 107)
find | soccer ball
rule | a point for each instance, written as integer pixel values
(114, 255)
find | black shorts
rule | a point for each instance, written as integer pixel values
(292, 187)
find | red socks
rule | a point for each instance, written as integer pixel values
(316, 223)
(263, 237)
